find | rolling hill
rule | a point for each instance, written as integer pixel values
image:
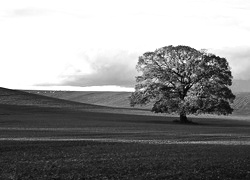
(121, 99)
(44, 136)
(242, 103)
(112, 99)
(91, 101)
(23, 100)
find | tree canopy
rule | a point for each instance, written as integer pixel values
(181, 79)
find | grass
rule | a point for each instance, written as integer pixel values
(134, 158)
(121, 99)
(96, 160)
(46, 138)
(113, 99)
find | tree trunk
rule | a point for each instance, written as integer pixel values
(183, 118)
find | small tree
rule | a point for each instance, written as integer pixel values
(183, 80)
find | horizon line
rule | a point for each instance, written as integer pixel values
(108, 88)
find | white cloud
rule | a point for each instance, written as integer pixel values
(115, 67)
(44, 41)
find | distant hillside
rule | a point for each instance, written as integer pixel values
(112, 99)
(89, 100)
(242, 104)
(121, 99)
(16, 101)
(241, 86)
(21, 98)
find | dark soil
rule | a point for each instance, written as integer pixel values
(93, 160)
(32, 116)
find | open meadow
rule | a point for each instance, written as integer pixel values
(49, 138)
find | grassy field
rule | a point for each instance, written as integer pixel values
(110, 99)
(107, 160)
(121, 99)
(47, 138)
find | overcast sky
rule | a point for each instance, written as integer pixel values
(97, 42)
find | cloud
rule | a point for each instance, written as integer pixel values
(104, 68)
(41, 40)
(117, 67)
(24, 12)
(28, 12)
(238, 58)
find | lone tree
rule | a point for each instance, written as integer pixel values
(183, 80)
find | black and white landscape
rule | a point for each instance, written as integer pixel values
(70, 71)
